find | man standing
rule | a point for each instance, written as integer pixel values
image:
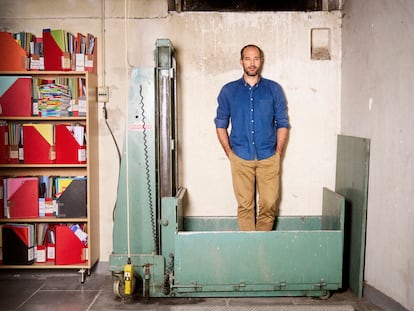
(256, 108)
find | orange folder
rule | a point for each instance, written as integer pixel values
(22, 195)
(38, 143)
(69, 142)
(68, 246)
(12, 56)
(15, 96)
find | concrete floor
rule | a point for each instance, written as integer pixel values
(62, 291)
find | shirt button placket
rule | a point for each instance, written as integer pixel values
(252, 118)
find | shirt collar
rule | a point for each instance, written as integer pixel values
(248, 85)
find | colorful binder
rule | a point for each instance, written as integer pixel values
(21, 196)
(72, 201)
(69, 248)
(70, 146)
(15, 96)
(18, 244)
(38, 143)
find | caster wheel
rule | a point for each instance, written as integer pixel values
(119, 287)
(325, 296)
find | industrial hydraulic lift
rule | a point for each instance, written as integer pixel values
(159, 252)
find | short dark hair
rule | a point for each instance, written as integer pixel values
(251, 46)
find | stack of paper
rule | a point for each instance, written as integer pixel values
(54, 100)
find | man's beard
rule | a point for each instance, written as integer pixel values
(252, 73)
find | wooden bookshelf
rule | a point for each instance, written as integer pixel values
(90, 169)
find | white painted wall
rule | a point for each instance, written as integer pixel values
(211, 58)
(208, 46)
(377, 102)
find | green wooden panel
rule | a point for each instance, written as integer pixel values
(352, 169)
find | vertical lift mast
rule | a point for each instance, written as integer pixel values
(148, 172)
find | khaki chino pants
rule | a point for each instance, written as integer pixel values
(247, 175)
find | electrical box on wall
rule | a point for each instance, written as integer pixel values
(103, 94)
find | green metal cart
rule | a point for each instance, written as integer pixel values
(170, 255)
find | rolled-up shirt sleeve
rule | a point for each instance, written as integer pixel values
(281, 115)
(222, 118)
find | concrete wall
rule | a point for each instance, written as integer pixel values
(377, 102)
(208, 46)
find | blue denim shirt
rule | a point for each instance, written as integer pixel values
(255, 114)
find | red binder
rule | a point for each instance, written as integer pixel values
(22, 195)
(22, 231)
(53, 53)
(4, 144)
(38, 143)
(1, 197)
(68, 246)
(69, 142)
(15, 96)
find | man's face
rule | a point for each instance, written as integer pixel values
(251, 61)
